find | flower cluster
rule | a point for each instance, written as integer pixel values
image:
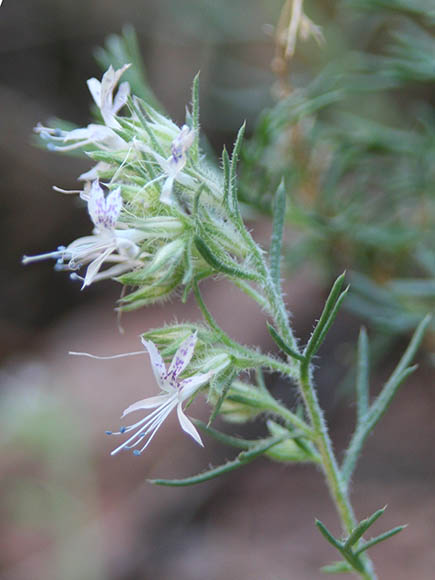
(140, 195)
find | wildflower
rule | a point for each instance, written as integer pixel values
(173, 166)
(174, 392)
(102, 93)
(100, 135)
(106, 244)
(176, 162)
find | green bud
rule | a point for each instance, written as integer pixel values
(167, 254)
(288, 450)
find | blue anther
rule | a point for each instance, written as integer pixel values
(123, 429)
(136, 452)
(109, 432)
(51, 147)
(57, 133)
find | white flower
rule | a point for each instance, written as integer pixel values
(176, 162)
(173, 166)
(174, 392)
(102, 93)
(100, 135)
(106, 244)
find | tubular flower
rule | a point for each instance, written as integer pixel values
(173, 166)
(102, 93)
(174, 392)
(104, 137)
(106, 244)
(176, 162)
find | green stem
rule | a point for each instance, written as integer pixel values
(337, 486)
(273, 303)
(330, 467)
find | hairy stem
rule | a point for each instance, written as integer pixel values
(338, 488)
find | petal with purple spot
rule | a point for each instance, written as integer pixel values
(183, 356)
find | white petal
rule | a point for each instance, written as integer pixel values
(94, 87)
(166, 193)
(114, 271)
(121, 97)
(121, 71)
(157, 363)
(183, 356)
(95, 266)
(190, 385)
(78, 134)
(96, 203)
(113, 207)
(93, 173)
(108, 83)
(187, 425)
(104, 136)
(148, 403)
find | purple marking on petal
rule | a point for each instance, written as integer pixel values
(104, 212)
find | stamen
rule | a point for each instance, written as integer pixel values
(40, 257)
(67, 191)
(104, 357)
(157, 416)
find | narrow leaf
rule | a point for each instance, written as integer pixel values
(242, 459)
(281, 343)
(233, 168)
(366, 426)
(230, 440)
(362, 377)
(231, 269)
(223, 336)
(379, 539)
(383, 400)
(362, 527)
(226, 382)
(330, 320)
(326, 318)
(413, 346)
(194, 149)
(277, 232)
(226, 168)
(329, 537)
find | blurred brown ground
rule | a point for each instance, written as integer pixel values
(70, 511)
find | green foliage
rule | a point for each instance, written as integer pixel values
(242, 459)
(359, 182)
(352, 547)
(369, 415)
